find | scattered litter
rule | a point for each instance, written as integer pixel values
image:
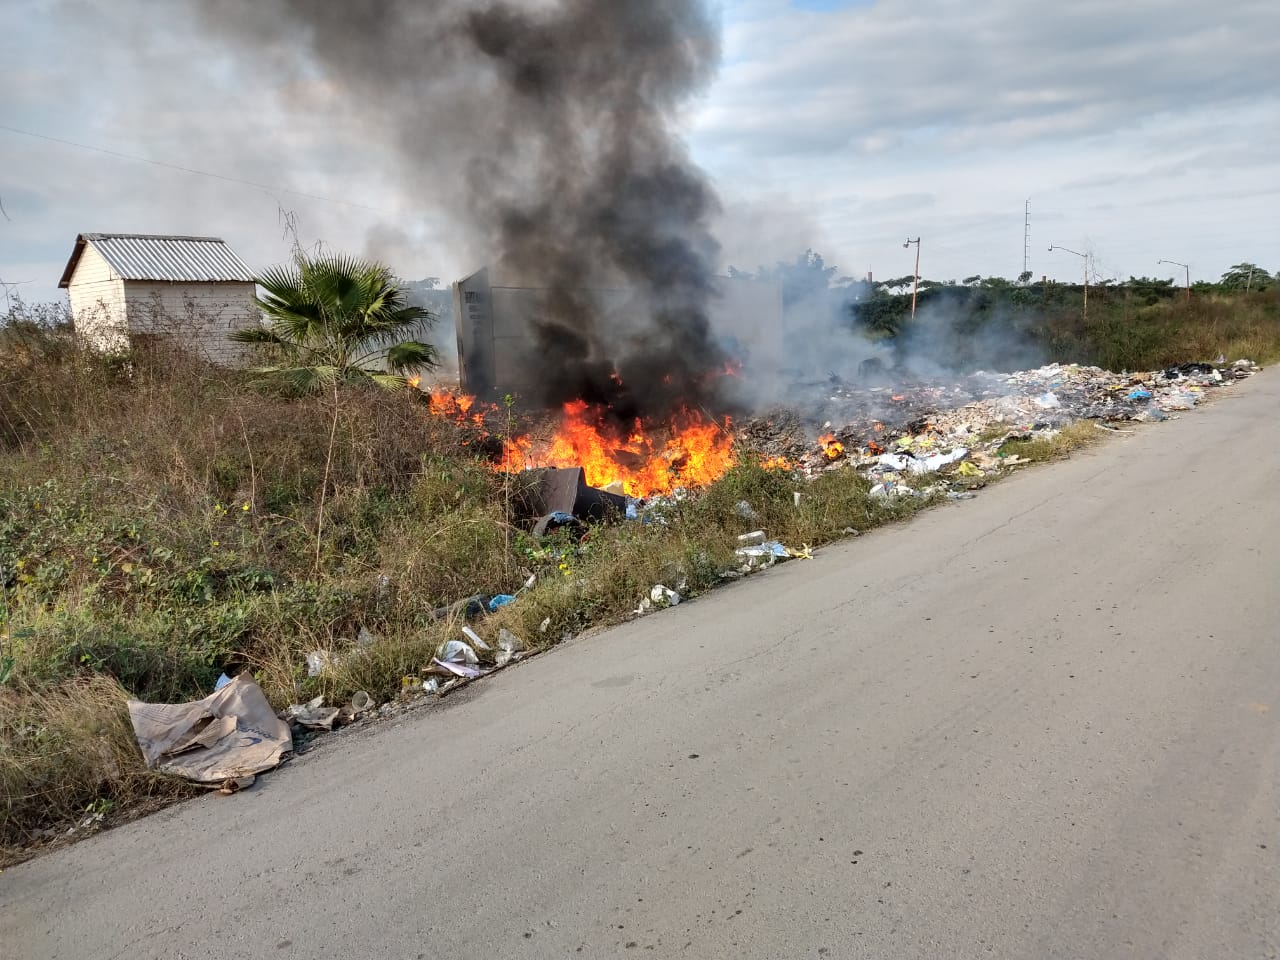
(464, 670)
(919, 465)
(559, 520)
(510, 648)
(314, 714)
(365, 638)
(664, 595)
(752, 538)
(318, 661)
(501, 600)
(901, 428)
(459, 659)
(223, 680)
(475, 639)
(766, 554)
(888, 489)
(468, 608)
(1178, 400)
(546, 622)
(231, 733)
(659, 597)
(236, 784)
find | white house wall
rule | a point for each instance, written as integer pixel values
(198, 315)
(97, 303)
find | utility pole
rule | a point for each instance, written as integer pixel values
(1184, 267)
(915, 278)
(1085, 258)
(1026, 238)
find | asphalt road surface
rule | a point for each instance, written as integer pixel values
(1044, 723)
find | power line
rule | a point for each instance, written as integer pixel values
(191, 170)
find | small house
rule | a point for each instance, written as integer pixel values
(128, 288)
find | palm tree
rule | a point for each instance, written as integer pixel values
(331, 319)
(337, 320)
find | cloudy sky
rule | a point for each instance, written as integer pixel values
(1138, 130)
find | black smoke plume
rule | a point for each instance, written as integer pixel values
(547, 132)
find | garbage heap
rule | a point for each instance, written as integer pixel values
(923, 439)
(918, 428)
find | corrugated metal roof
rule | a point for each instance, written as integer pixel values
(141, 257)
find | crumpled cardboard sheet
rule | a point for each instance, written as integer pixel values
(231, 733)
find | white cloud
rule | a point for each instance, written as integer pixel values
(1147, 129)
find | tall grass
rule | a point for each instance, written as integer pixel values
(1125, 333)
(158, 518)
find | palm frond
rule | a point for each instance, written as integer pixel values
(411, 355)
(339, 316)
(257, 335)
(389, 381)
(304, 380)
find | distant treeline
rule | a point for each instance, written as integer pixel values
(996, 323)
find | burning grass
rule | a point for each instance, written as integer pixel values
(643, 458)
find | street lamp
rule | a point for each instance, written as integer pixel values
(1184, 267)
(1085, 258)
(915, 277)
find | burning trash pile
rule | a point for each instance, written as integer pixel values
(930, 440)
(684, 450)
(585, 466)
(921, 428)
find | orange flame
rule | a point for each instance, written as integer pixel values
(832, 448)
(689, 450)
(445, 403)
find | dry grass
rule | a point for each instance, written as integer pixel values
(1072, 437)
(1124, 335)
(67, 754)
(156, 527)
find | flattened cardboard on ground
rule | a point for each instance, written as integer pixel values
(231, 733)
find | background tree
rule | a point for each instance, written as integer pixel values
(1247, 276)
(334, 319)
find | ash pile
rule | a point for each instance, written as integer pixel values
(918, 427)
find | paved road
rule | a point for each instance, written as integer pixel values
(1045, 723)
